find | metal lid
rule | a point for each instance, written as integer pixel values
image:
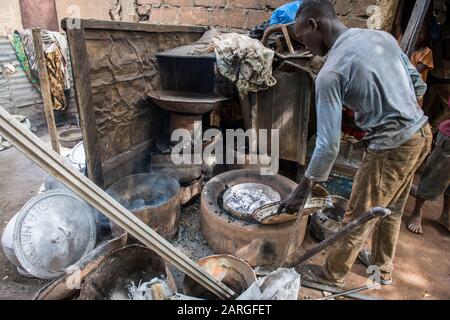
(53, 231)
(77, 154)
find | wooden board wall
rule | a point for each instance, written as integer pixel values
(115, 68)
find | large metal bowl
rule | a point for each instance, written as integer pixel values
(187, 102)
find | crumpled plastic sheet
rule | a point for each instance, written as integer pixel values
(245, 62)
(281, 284)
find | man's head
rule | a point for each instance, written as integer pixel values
(313, 24)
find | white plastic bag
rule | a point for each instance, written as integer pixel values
(282, 284)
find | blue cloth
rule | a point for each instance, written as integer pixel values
(286, 13)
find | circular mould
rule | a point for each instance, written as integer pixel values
(153, 198)
(257, 244)
(233, 272)
(53, 231)
(243, 199)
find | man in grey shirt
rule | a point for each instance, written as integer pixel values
(367, 72)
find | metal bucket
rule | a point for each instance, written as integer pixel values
(328, 220)
(153, 198)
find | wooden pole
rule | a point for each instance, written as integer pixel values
(45, 89)
(76, 39)
(42, 155)
(411, 35)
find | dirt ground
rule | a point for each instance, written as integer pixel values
(422, 265)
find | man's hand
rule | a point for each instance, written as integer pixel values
(295, 199)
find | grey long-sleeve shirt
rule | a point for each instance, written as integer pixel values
(367, 72)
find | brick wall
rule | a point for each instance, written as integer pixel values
(238, 14)
(355, 13)
(241, 14)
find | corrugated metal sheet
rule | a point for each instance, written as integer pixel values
(16, 89)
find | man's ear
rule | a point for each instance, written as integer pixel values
(313, 23)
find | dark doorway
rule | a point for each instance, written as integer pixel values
(39, 14)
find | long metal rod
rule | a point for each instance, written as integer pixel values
(347, 292)
(35, 149)
(373, 213)
(324, 287)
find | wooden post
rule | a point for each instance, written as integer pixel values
(411, 35)
(45, 89)
(76, 40)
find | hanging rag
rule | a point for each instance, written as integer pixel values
(23, 59)
(56, 55)
(245, 62)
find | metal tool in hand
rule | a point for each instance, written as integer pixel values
(268, 214)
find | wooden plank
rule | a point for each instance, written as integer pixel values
(288, 39)
(411, 35)
(130, 26)
(83, 97)
(35, 149)
(44, 82)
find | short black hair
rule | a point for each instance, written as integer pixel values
(316, 8)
